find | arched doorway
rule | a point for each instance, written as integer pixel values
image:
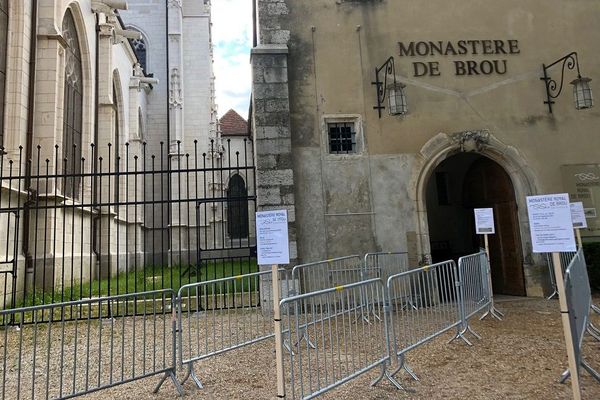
(459, 184)
(237, 208)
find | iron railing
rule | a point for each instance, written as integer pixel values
(144, 218)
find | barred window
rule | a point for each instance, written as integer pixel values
(342, 138)
(73, 108)
(3, 56)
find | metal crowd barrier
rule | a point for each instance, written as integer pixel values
(579, 302)
(326, 274)
(593, 330)
(65, 350)
(225, 314)
(383, 265)
(565, 260)
(319, 275)
(474, 291)
(424, 303)
(345, 346)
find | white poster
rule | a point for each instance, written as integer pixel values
(484, 221)
(578, 215)
(272, 240)
(550, 223)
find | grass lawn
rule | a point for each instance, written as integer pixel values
(152, 278)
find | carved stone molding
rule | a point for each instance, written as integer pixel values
(175, 3)
(476, 140)
(175, 93)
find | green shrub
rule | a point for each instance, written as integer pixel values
(592, 258)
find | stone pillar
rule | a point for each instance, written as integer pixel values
(175, 73)
(177, 223)
(272, 134)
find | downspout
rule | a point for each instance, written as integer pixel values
(29, 137)
(168, 144)
(96, 138)
(254, 24)
(167, 80)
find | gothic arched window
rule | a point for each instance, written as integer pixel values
(139, 46)
(116, 142)
(237, 208)
(3, 56)
(73, 107)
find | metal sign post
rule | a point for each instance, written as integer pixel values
(278, 335)
(484, 225)
(493, 311)
(551, 226)
(272, 244)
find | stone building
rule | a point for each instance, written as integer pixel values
(176, 48)
(468, 124)
(88, 92)
(238, 154)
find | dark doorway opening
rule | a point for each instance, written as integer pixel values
(237, 208)
(458, 185)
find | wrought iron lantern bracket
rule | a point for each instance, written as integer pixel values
(388, 68)
(554, 88)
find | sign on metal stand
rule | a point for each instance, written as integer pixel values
(551, 229)
(273, 249)
(579, 221)
(484, 225)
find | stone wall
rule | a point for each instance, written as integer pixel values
(272, 134)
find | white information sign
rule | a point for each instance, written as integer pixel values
(578, 215)
(550, 223)
(484, 221)
(272, 240)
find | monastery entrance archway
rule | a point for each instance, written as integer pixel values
(460, 183)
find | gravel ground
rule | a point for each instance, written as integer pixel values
(520, 357)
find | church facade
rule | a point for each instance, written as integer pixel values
(103, 105)
(381, 124)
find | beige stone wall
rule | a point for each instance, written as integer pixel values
(374, 200)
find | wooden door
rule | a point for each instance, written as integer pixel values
(488, 185)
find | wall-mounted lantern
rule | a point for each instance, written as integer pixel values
(397, 99)
(394, 91)
(582, 92)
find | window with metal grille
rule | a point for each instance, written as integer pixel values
(3, 56)
(342, 137)
(72, 109)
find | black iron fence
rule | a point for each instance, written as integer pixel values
(136, 218)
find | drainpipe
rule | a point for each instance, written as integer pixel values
(29, 136)
(96, 136)
(254, 24)
(167, 77)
